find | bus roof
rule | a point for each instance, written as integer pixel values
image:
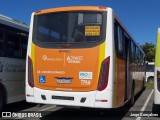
(13, 23)
(72, 8)
(150, 63)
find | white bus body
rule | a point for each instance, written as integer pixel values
(149, 71)
(13, 45)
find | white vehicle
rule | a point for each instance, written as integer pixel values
(149, 71)
(157, 72)
(13, 45)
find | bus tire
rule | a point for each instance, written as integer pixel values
(132, 100)
(143, 85)
(156, 108)
(2, 99)
(150, 79)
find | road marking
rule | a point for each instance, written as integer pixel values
(47, 108)
(145, 104)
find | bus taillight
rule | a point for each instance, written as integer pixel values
(103, 77)
(158, 80)
(30, 72)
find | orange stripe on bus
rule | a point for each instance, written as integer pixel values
(75, 8)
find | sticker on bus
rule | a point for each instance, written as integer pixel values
(85, 82)
(74, 59)
(85, 75)
(42, 79)
(92, 30)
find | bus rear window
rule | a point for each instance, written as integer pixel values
(68, 27)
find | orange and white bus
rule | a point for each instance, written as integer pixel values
(82, 56)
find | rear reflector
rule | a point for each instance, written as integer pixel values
(28, 95)
(103, 77)
(101, 100)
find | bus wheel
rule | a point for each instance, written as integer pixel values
(2, 99)
(143, 85)
(156, 108)
(150, 79)
(132, 100)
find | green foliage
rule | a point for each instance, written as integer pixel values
(149, 50)
(149, 85)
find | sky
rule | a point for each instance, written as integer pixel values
(140, 17)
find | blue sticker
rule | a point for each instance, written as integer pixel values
(42, 79)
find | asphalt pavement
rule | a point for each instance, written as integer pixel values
(143, 109)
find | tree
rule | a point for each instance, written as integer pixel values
(149, 50)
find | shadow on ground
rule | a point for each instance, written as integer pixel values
(89, 113)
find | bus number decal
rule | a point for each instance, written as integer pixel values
(85, 82)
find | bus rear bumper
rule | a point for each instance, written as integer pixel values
(156, 97)
(92, 99)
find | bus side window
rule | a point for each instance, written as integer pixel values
(24, 42)
(119, 40)
(133, 52)
(12, 47)
(137, 59)
(1, 40)
(142, 63)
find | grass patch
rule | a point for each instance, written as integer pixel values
(149, 85)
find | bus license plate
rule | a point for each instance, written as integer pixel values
(64, 81)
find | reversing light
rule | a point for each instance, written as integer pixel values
(104, 72)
